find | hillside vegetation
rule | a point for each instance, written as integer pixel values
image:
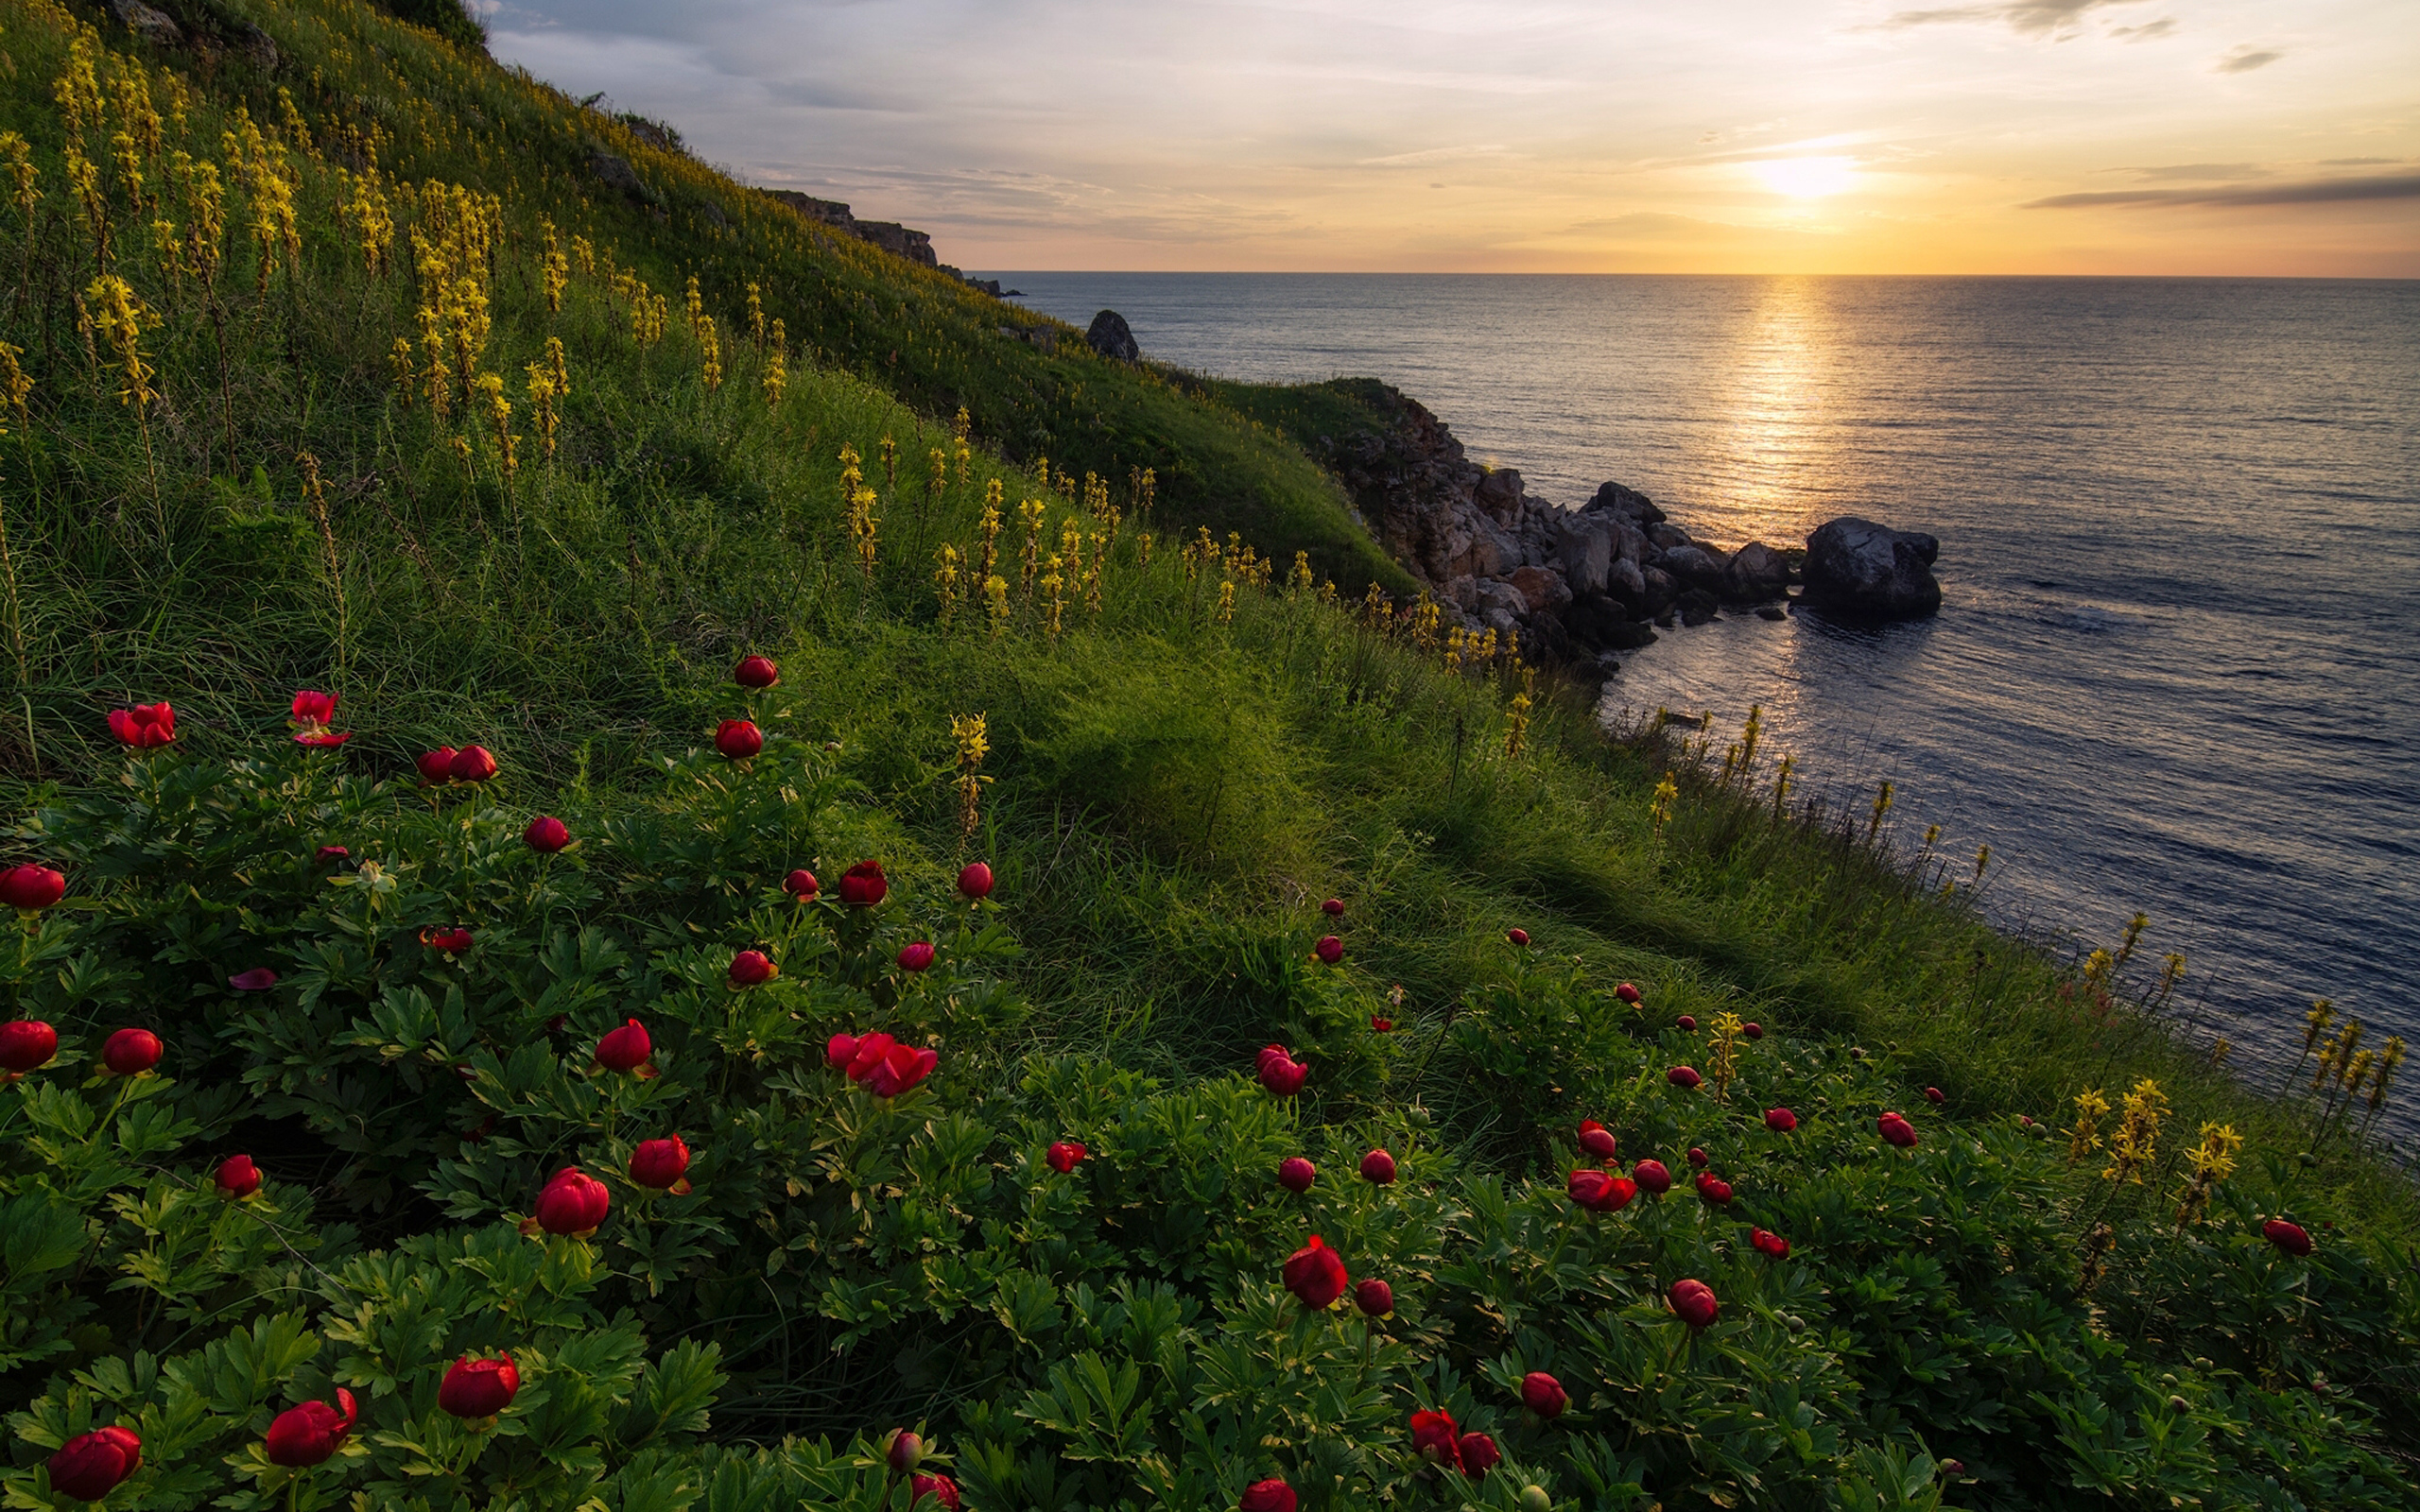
(1711, 1150)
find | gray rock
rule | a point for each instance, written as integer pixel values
(1543, 589)
(1630, 545)
(1694, 565)
(1462, 593)
(1867, 571)
(1499, 493)
(1661, 590)
(151, 25)
(1585, 545)
(1757, 574)
(1627, 581)
(1614, 499)
(1110, 337)
(1496, 599)
(1772, 611)
(616, 173)
(1493, 551)
(1667, 537)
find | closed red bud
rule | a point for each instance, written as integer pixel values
(1600, 1190)
(1769, 1243)
(436, 767)
(1544, 1394)
(1781, 1121)
(660, 1164)
(1378, 1168)
(2287, 1236)
(453, 941)
(259, 979)
(1267, 1496)
(309, 1435)
(739, 739)
(237, 1177)
(572, 1203)
(939, 1490)
(128, 1052)
(1714, 1189)
(1752, 1030)
(1687, 1023)
(1334, 908)
(1279, 1073)
(145, 726)
(1329, 949)
(1695, 1303)
(546, 834)
(801, 885)
(479, 1388)
(331, 852)
(903, 1070)
(1652, 1177)
(1896, 1130)
(1435, 1438)
(26, 1044)
(755, 672)
(471, 764)
(1933, 1094)
(1374, 1297)
(975, 881)
(905, 1451)
(864, 885)
(626, 1048)
(751, 968)
(1596, 1140)
(1518, 937)
(1315, 1274)
(1479, 1455)
(1064, 1155)
(840, 1050)
(1296, 1175)
(1696, 1157)
(1682, 1076)
(916, 958)
(1953, 1467)
(1626, 993)
(90, 1466)
(2025, 1121)
(30, 888)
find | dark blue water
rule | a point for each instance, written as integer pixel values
(2177, 669)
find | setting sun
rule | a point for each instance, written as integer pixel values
(1806, 177)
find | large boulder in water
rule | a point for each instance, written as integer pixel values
(1111, 338)
(1858, 568)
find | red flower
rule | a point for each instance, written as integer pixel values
(1518, 937)
(1374, 1297)
(1696, 1157)
(1329, 949)
(331, 852)
(1626, 993)
(546, 834)
(661, 1164)
(453, 941)
(307, 1435)
(1694, 1302)
(868, 1054)
(1600, 1190)
(1687, 1023)
(128, 1052)
(1296, 1175)
(1596, 1140)
(916, 958)
(26, 1044)
(1267, 1496)
(801, 885)
(143, 726)
(479, 1388)
(1435, 1437)
(1544, 1394)
(840, 1050)
(1315, 1275)
(1334, 908)
(975, 881)
(322, 739)
(752, 967)
(1781, 1121)
(903, 1070)
(90, 1466)
(572, 1203)
(1769, 1243)
(259, 979)
(1896, 1130)
(1064, 1155)
(1713, 1188)
(31, 888)
(1682, 1076)
(864, 885)
(1479, 1455)
(314, 710)
(1653, 1175)
(237, 1177)
(1281, 1072)
(755, 672)
(1933, 1095)
(1382, 1025)
(1378, 1168)
(626, 1048)
(2287, 1236)
(739, 739)
(939, 1487)
(1752, 1030)
(905, 1451)
(437, 766)
(471, 764)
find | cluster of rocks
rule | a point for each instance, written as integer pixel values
(900, 241)
(212, 31)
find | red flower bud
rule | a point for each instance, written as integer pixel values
(1267, 1496)
(1769, 1243)
(31, 888)
(90, 1466)
(1334, 908)
(1544, 1394)
(752, 967)
(1329, 949)
(840, 1050)
(546, 834)
(309, 1435)
(1596, 1140)
(660, 1164)
(1315, 1275)
(1374, 1297)
(2287, 1236)
(572, 1203)
(437, 766)
(237, 1177)
(916, 958)
(1933, 1095)
(903, 1069)
(1953, 1467)
(1064, 1155)
(801, 885)
(1752, 1030)
(626, 1048)
(905, 1451)
(127, 1052)
(1479, 1455)
(1714, 1189)
(1435, 1437)
(739, 739)
(1378, 1168)
(1600, 1190)
(26, 1044)
(755, 672)
(1281, 1072)
(453, 941)
(471, 764)
(1382, 1025)
(1682, 1076)
(143, 726)
(1296, 1175)
(940, 1488)
(1652, 1176)
(479, 1388)
(331, 852)
(1694, 1302)
(1781, 1121)
(975, 881)
(259, 979)
(1696, 1157)
(1896, 1130)
(1687, 1023)
(1517, 937)
(1626, 993)
(864, 885)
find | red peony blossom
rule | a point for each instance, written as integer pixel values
(26, 1045)
(1479, 1455)
(310, 1435)
(1713, 1188)
(1896, 1130)
(1596, 1140)
(145, 726)
(1697, 1157)
(1933, 1095)
(661, 1165)
(259, 979)
(572, 1203)
(1296, 1175)
(801, 885)
(472, 763)
(30, 888)
(1769, 1243)
(975, 881)
(1315, 1275)
(1378, 1168)
(626, 1048)
(1281, 1072)
(452, 941)
(437, 766)
(1600, 1190)
(331, 852)
(755, 672)
(1517, 937)
(322, 739)
(1382, 1025)
(1334, 908)
(753, 969)
(905, 1451)
(1781, 1121)
(546, 834)
(90, 1466)
(1752, 1030)
(739, 739)
(479, 1388)
(915, 957)
(864, 885)
(1267, 1496)
(1687, 1023)
(903, 1070)
(1064, 1155)
(127, 1052)
(313, 709)
(1544, 1394)
(1435, 1437)
(1694, 1303)
(2287, 1236)
(840, 1050)
(1652, 1176)
(1329, 949)
(1682, 1076)
(1626, 993)
(1374, 1297)
(940, 1488)
(869, 1051)
(237, 1177)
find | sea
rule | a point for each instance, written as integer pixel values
(2177, 665)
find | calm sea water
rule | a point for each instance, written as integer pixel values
(2178, 668)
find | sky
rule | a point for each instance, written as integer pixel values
(2218, 137)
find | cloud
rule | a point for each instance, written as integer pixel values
(2245, 58)
(2148, 31)
(2200, 171)
(2306, 192)
(1429, 155)
(2029, 18)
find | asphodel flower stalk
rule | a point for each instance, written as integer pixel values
(499, 417)
(120, 317)
(2136, 1143)
(1723, 1051)
(2213, 1162)
(972, 745)
(1516, 721)
(1031, 514)
(945, 582)
(987, 529)
(2085, 1137)
(995, 603)
(1881, 807)
(1053, 599)
(1659, 811)
(1298, 581)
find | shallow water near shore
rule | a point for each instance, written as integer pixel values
(2176, 669)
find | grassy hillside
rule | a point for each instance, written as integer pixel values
(416, 409)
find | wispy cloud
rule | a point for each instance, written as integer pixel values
(2198, 172)
(2148, 31)
(2030, 18)
(1429, 155)
(2306, 192)
(2245, 58)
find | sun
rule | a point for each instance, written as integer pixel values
(1806, 177)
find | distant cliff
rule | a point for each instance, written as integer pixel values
(902, 241)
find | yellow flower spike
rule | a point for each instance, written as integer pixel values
(2085, 1137)
(996, 604)
(2136, 1143)
(1881, 806)
(1660, 810)
(946, 579)
(972, 745)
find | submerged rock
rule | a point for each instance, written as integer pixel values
(1858, 568)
